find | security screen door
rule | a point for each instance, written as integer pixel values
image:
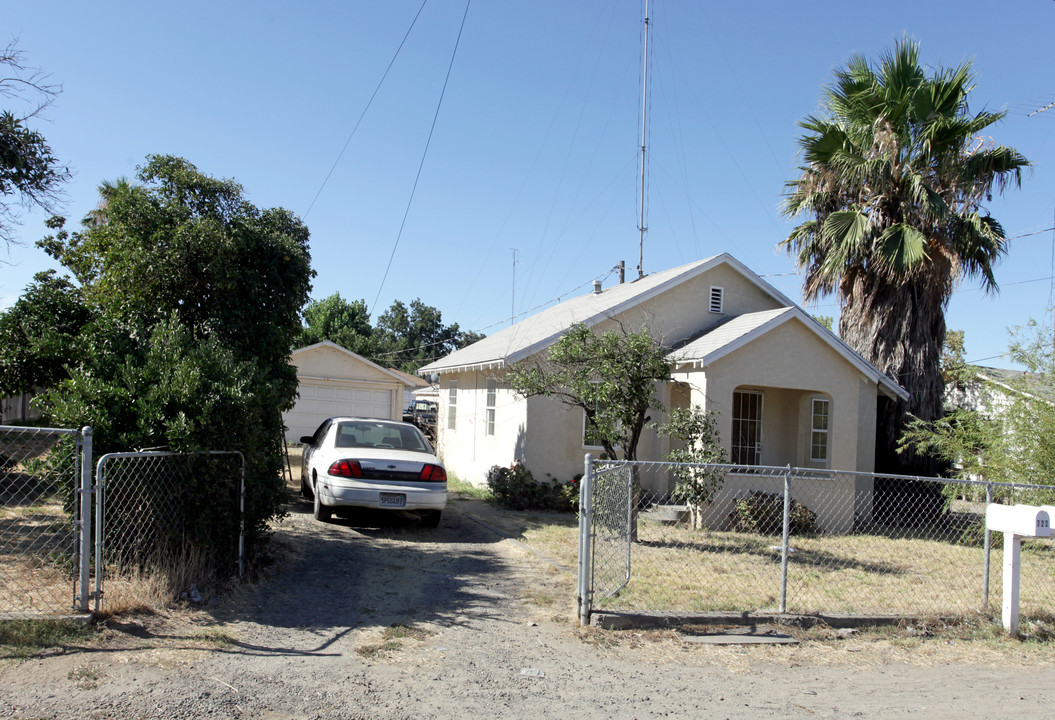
(747, 427)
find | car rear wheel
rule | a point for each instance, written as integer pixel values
(305, 489)
(430, 518)
(321, 512)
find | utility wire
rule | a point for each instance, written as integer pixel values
(368, 104)
(424, 153)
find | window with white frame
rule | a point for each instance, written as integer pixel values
(819, 430)
(590, 437)
(492, 396)
(717, 304)
(452, 404)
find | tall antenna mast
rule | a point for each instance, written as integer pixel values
(513, 302)
(644, 124)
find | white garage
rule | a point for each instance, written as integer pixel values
(335, 381)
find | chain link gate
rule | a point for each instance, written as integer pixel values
(45, 501)
(162, 516)
(797, 540)
(609, 513)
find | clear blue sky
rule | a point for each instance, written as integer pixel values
(536, 143)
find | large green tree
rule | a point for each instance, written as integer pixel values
(195, 295)
(411, 336)
(30, 173)
(896, 176)
(339, 321)
(39, 334)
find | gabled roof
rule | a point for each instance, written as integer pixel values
(537, 332)
(738, 331)
(355, 356)
(1033, 385)
(411, 380)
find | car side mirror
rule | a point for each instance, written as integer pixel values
(306, 439)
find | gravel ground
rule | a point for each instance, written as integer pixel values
(384, 619)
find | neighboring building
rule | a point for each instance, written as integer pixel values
(415, 387)
(787, 390)
(334, 381)
(18, 409)
(992, 390)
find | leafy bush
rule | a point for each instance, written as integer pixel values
(516, 488)
(702, 445)
(763, 513)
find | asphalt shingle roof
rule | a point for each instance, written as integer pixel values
(543, 328)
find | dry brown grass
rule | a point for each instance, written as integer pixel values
(37, 547)
(158, 585)
(677, 569)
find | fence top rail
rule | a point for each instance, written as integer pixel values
(50, 431)
(167, 453)
(810, 473)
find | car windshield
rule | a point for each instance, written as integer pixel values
(367, 434)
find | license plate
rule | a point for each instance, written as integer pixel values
(393, 500)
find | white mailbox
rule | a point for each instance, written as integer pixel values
(1050, 510)
(1016, 522)
(1021, 520)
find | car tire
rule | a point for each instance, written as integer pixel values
(430, 518)
(321, 512)
(305, 489)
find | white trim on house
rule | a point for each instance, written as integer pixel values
(537, 332)
(717, 300)
(734, 334)
(349, 353)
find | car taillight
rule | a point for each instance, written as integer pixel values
(346, 468)
(433, 473)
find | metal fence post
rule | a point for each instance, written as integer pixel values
(100, 509)
(784, 542)
(585, 562)
(987, 552)
(85, 540)
(241, 519)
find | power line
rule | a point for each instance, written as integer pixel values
(424, 153)
(368, 104)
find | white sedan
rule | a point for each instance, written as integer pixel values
(382, 464)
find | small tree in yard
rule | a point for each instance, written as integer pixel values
(697, 429)
(1012, 442)
(611, 376)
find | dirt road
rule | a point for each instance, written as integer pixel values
(396, 621)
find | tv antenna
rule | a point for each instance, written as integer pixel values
(644, 126)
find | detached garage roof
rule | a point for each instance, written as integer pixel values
(329, 361)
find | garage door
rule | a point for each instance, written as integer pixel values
(318, 402)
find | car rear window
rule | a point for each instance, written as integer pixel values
(380, 435)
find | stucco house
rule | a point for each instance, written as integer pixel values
(335, 381)
(787, 390)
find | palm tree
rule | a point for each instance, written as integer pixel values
(894, 185)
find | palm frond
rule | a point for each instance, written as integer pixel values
(900, 248)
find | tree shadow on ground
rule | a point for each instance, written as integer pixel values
(371, 570)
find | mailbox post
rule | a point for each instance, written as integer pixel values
(1016, 522)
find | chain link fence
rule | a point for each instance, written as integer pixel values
(167, 521)
(39, 520)
(668, 538)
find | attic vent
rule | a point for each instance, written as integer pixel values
(596, 287)
(717, 299)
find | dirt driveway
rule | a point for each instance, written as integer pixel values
(370, 620)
